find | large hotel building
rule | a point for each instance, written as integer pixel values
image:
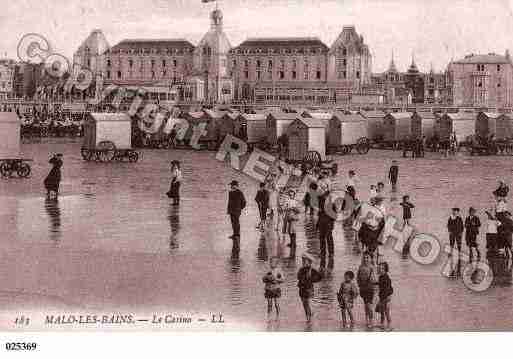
(257, 70)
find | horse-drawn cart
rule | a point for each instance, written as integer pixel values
(107, 138)
(10, 160)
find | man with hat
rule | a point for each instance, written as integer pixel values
(236, 203)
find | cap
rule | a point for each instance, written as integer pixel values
(234, 183)
(308, 257)
(455, 209)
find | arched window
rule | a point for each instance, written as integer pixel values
(119, 74)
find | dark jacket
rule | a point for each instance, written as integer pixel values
(385, 286)
(262, 198)
(306, 277)
(506, 228)
(472, 225)
(502, 191)
(393, 173)
(236, 202)
(326, 220)
(455, 226)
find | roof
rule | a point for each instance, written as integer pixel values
(349, 38)
(317, 115)
(283, 42)
(426, 114)
(95, 42)
(109, 116)
(483, 59)
(159, 44)
(491, 114)
(372, 114)
(461, 116)
(348, 117)
(196, 115)
(284, 115)
(254, 116)
(215, 114)
(313, 123)
(400, 115)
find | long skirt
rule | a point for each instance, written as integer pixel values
(52, 181)
(174, 191)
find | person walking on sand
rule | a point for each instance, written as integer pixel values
(53, 180)
(236, 203)
(393, 175)
(176, 180)
(262, 200)
(455, 228)
(273, 280)
(366, 279)
(472, 224)
(306, 277)
(346, 295)
(385, 294)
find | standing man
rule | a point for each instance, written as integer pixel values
(326, 223)
(393, 175)
(236, 203)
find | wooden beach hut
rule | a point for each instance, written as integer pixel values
(374, 123)
(462, 123)
(277, 124)
(423, 124)
(9, 135)
(346, 129)
(498, 124)
(251, 127)
(306, 134)
(115, 128)
(397, 126)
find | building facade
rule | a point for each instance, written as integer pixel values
(265, 70)
(7, 70)
(481, 80)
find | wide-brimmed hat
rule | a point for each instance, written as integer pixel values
(307, 256)
(234, 183)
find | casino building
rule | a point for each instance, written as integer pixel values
(258, 70)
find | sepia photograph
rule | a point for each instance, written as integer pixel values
(235, 166)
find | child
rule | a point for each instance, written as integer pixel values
(351, 179)
(492, 238)
(380, 190)
(385, 295)
(306, 277)
(373, 191)
(262, 200)
(366, 279)
(272, 281)
(455, 229)
(346, 295)
(472, 224)
(407, 207)
(393, 175)
(309, 198)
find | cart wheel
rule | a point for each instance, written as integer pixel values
(107, 151)
(5, 169)
(24, 170)
(363, 146)
(86, 154)
(133, 156)
(346, 150)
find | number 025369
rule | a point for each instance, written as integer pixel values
(11, 346)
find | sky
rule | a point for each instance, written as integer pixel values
(434, 31)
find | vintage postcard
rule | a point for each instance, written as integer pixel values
(248, 166)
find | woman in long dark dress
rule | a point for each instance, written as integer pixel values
(53, 180)
(176, 179)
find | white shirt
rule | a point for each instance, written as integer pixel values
(352, 181)
(491, 226)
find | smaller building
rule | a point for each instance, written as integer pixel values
(397, 126)
(7, 68)
(492, 123)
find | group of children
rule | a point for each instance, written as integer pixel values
(365, 287)
(499, 227)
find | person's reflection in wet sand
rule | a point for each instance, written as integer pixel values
(174, 222)
(455, 264)
(54, 216)
(262, 253)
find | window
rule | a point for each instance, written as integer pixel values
(246, 63)
(344, 62)
(164, 73)
(175, 63)
(306, 74)
(163, 63)
(294, 75)
(318, 75)
(357, 74)
(108, 74)
(294, 63)
(258, 75)
(234, 63)
(344, 52)
(498, 67)
(282, 75)
(498, 85)
(153, 74)
(119, 74)
(108, 63)
(480, 84)
(270, 64)
(246, 74)
(282, 64)
(130, 62)
(344, 74)
(270, 74)
(88, 62)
